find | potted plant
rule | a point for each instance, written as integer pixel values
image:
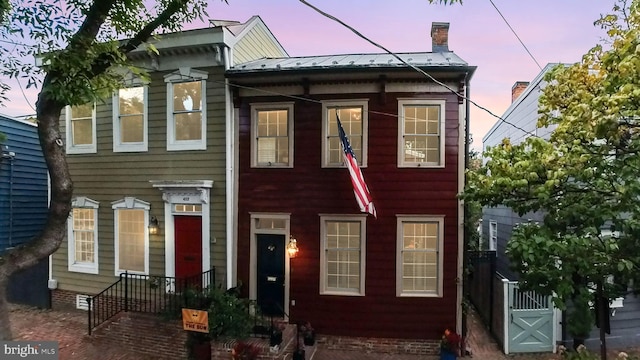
(228, 318)
(299, 352)
(275, 334)
(245, 351)
(198, 346)
(308, 334)
(449, 345)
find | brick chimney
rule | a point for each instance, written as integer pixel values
(517, 89)
(439, 37)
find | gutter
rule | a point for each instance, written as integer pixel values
(10, 155)
(465, 239)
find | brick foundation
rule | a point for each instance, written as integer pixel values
(150, 335)
(379, 345)
(63, 299)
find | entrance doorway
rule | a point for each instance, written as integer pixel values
(271, 273)
(188, 242)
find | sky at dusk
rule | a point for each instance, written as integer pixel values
(553, 30)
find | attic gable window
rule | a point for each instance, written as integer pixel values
(130, 119)
(80, 122)
(272, 134)
(421, 133)
(186, 110)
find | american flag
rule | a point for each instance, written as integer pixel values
(360, 189)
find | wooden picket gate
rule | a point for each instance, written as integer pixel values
(530, 319)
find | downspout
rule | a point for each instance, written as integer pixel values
(229, 175)
(465, 242)
(10, 155)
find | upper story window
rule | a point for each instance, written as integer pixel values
(421, 133)
(186, 110)
(493, 235)
(354, 118)
(131, 219)
(82, 236)
(419, 256)
(272, 134)
(342, 261)
(130, 119)
(81, 129)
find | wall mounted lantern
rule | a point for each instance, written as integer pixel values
(153, 226)
(292, 247)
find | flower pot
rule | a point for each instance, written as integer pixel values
(299, 355)
(275, 339)
(447, 355)
(200, 351)
(309, 340)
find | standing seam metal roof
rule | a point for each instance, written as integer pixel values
(430, 59)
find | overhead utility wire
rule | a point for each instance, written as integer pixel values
(514, 33)
(271, 92)
(327, 15)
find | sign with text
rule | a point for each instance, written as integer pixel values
(195, 320)
(18, 350)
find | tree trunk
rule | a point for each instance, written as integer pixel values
(5, 326)
(50, 238)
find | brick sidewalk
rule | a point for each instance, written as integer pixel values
(69, 328)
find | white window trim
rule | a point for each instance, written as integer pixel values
(401, 104)
(186, 75)
(493, 235)
(400, 248)
(82, 267)
(255, 107)
(364, 103)
(118, 146)
(130, 203)
(81, 149)
(363, 254)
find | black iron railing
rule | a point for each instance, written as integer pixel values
(149, 294)
(263, 324)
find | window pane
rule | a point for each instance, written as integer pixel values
(420, 257)
(131, 240)
(343, 255)
(131, 100)
(422, 134)
(131, 128)
(82, 111)
(83, 234)
(266, 150)
(351, 119)
(271, 224)
(187, 96)
(82, 131)
(273, 137)
(189, 126)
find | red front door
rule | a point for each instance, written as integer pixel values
(188, 240)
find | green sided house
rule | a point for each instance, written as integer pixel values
(153, 168)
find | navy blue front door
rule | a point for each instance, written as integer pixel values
(271, 274)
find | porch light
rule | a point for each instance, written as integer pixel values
(153, 226)
(292, 247)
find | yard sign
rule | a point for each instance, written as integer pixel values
(195, 320)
